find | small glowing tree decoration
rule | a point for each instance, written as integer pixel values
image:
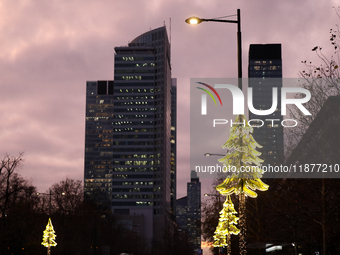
(226, 227)
(243, 157)
(49, 237)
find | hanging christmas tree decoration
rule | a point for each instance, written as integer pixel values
(49, 237)
(226, 226)
(245, 178)
(242, 158)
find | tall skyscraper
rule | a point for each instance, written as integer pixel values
(265, 72)
(188, 211)
(128, 133)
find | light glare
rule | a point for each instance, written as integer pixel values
(193, 21)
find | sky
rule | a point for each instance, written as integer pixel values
(49, 49)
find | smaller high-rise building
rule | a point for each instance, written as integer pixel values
(181, 213)
(265, 73)
(194, 210)
(188, 211)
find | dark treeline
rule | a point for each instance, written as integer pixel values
(82, 226)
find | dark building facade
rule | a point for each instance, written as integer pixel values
(320, 144)
(173, 145)
(181, 213)
(188, 211)
(265, 73)
(128, 133)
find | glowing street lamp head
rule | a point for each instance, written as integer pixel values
(193, 20)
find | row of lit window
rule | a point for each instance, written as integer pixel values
(120, 169)
(118, 123)
(101, 113)
(93, 185)
(150, 109)
(133, 176)
(125, 143)
(103, 145)
(95, 105)
(131, 85)
(136, 163)
(138, 203)
(149, 64)
(152, 103)
(134, 71)
(142, 163)
(133, 169)
(134, 98)
(265, 73)
(134, 77)
(146, 143)
(100, 162)
(133, 149)
(265, 62)
(98, 180)
(134, 130)
(106, 153)
(265, 68)
(132, 183)
(97, 118)
(119, 116)
(137, 156)
(102, 136)
(125, 196)
(128, 58)
(139, 90)
(132, 190)
(101, 167)
(132, 136)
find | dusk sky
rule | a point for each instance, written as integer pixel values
(49, 49)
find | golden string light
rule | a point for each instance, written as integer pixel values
(243, 158)
(49, 237)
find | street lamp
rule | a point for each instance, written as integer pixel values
(196, 20)
(212, 154)
(50, 194)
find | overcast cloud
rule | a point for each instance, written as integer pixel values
(49, 49)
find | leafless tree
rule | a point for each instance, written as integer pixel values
(10, 182)
(321, 80)
(67, 195)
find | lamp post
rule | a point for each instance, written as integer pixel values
(193, 21)
(196, 20)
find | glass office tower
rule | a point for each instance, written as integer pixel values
(265, 72)
(128, 133)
